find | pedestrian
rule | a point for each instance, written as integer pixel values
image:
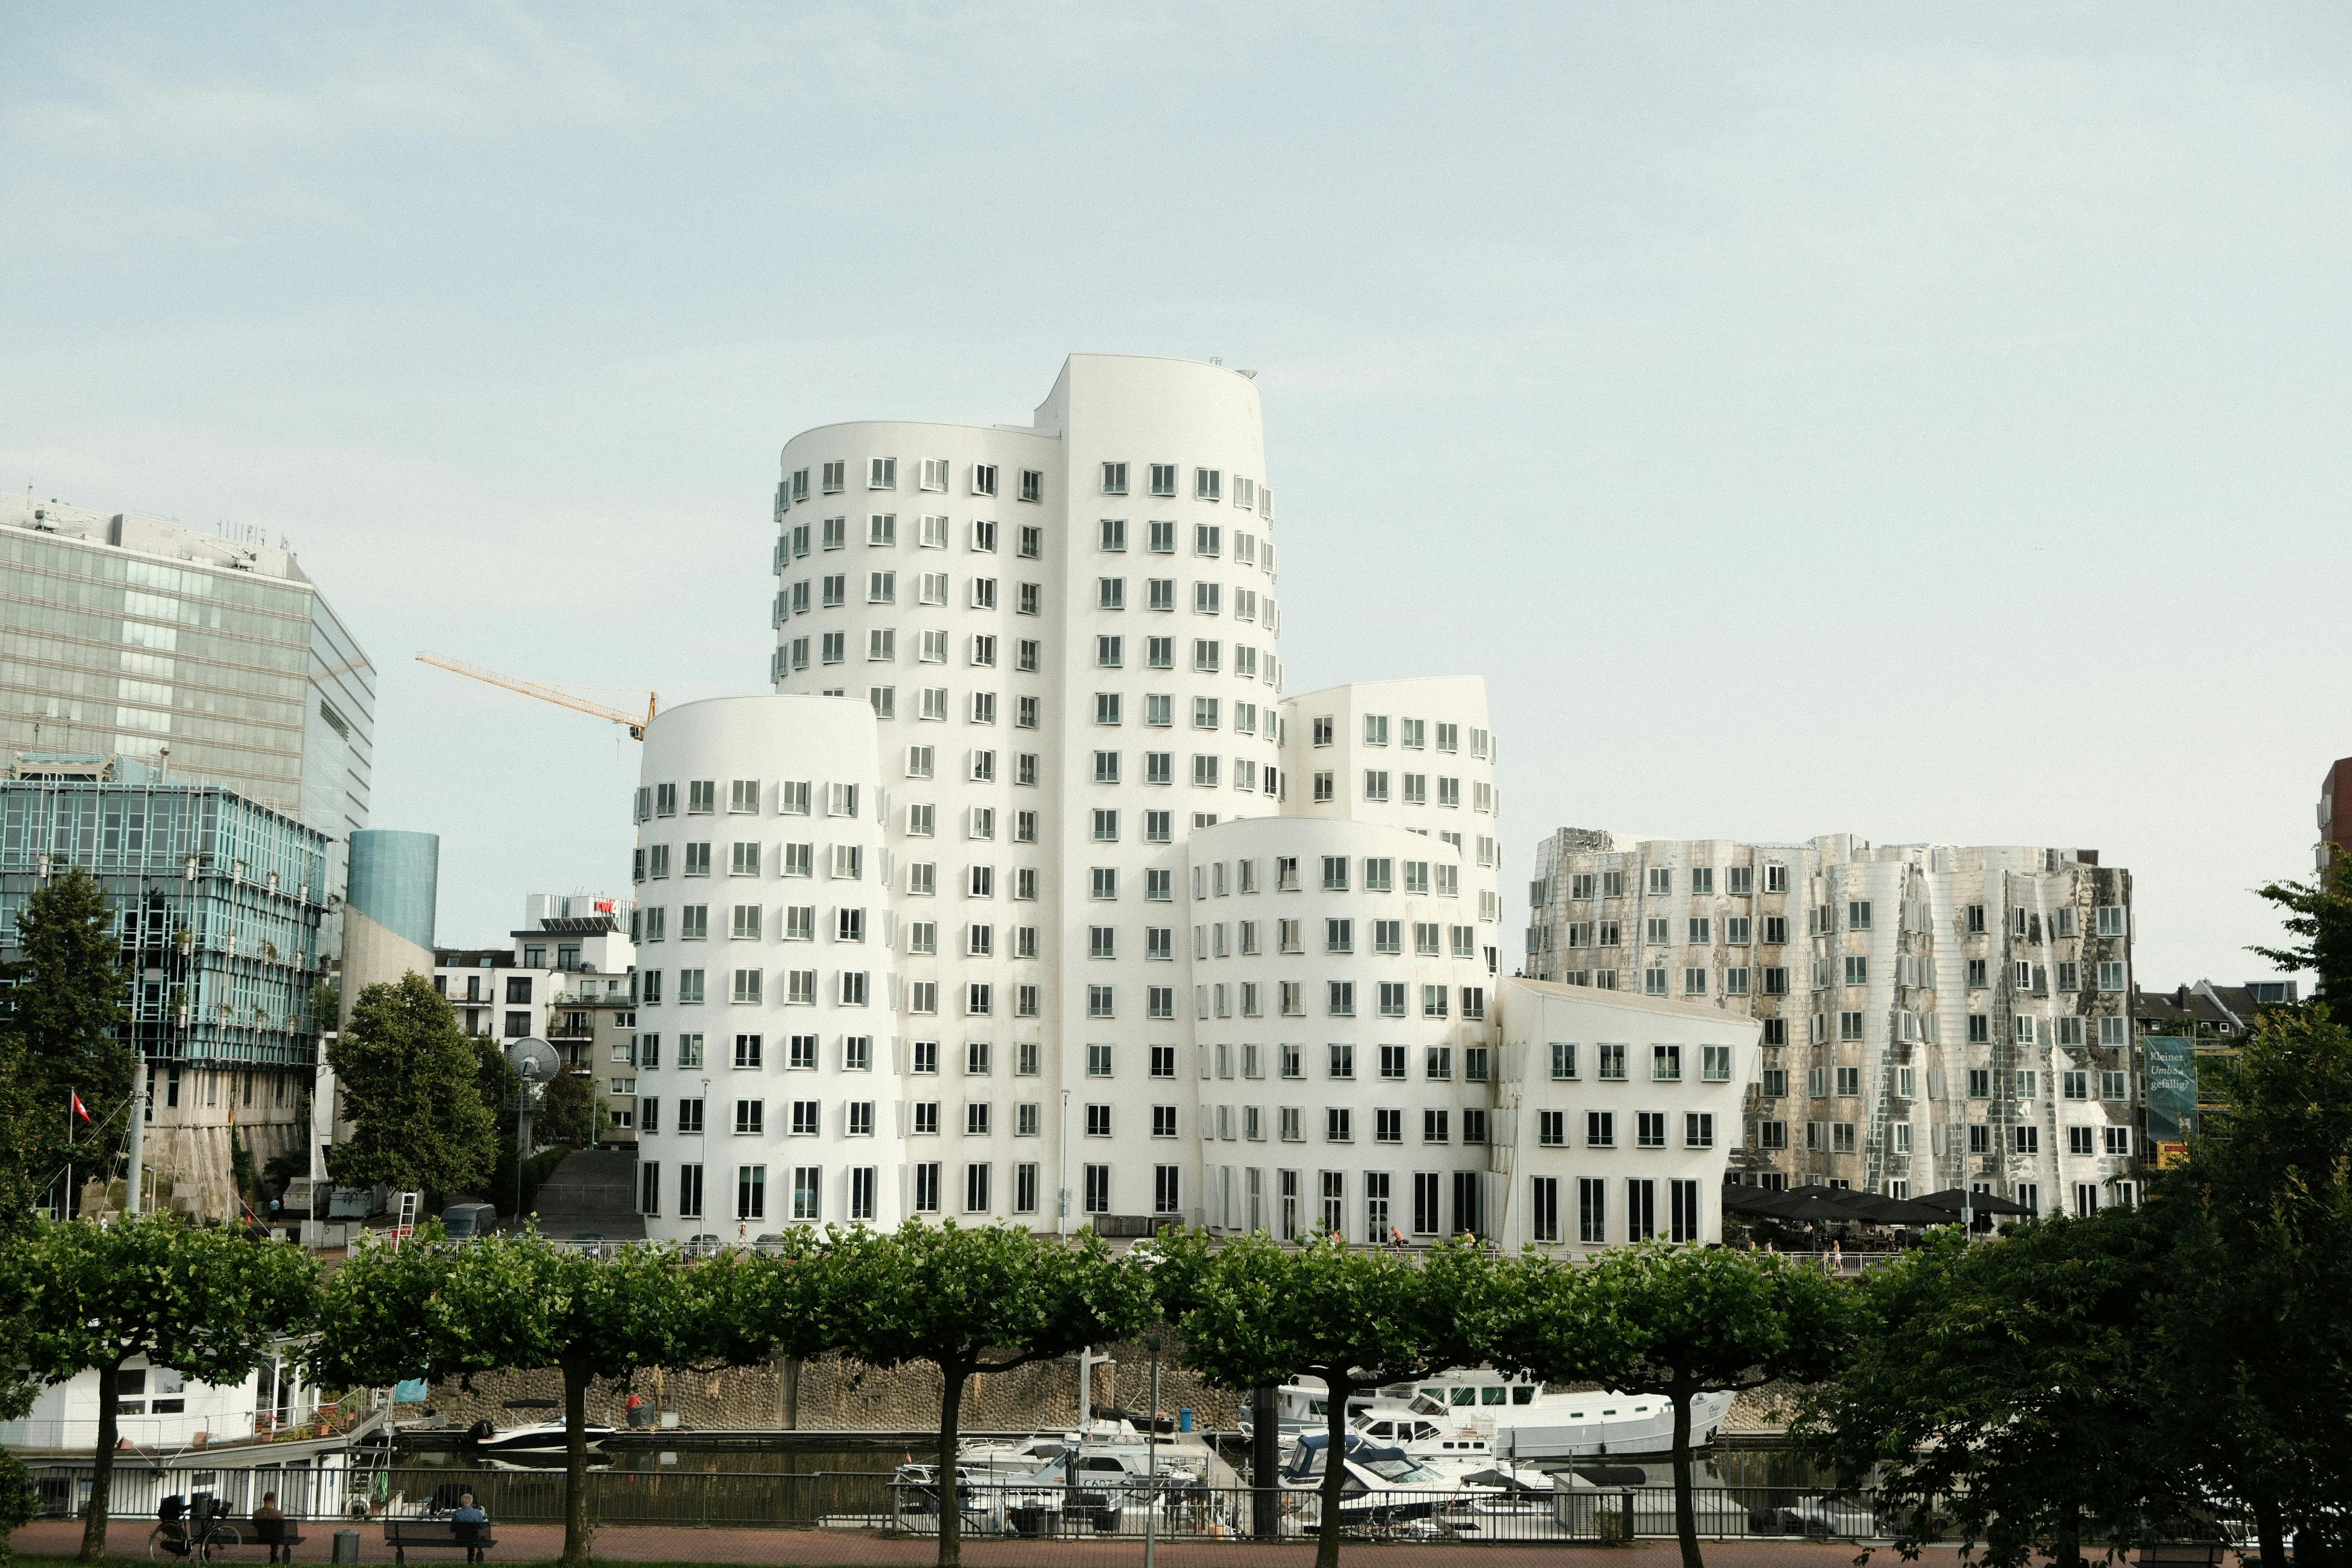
(469, 1524)
(269, 1528)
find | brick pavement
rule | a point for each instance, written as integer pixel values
(529, 1543)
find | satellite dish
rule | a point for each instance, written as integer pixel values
(533, 1060)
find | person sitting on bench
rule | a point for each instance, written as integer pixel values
(468, 1524)
(269, 1528)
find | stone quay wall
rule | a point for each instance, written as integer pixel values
(833, 1395)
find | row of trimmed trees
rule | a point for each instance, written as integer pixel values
(963, 1299)
(2115, 1379)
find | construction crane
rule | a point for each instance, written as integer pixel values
(635, 724)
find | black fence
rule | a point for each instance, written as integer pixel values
(1172, 1508)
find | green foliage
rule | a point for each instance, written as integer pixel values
(572, 1115)
(58, 1036)
(326, 1004)
(1677, 1321)
(280, 1169)
(208, 1303)
(974, 1299)
(20, 1498)
(240, 1163)
(2008, 1381)
(1254, 1312)
(411, 1081)
(2319, 912)
(1257, 1312)
(2260, 1225)
(502, 1303)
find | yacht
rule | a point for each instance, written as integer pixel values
(1517, 1418)
(1596, 1424)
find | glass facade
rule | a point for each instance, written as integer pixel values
(246, 675)
(218, 901)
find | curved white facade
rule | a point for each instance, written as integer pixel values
(772, 1075)
(1139, 937)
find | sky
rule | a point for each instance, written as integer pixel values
(1927, 422)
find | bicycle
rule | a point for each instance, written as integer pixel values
(215, 1541)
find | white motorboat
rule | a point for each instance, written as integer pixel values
(1521, 1421)
(1383, 1484)
(1597, 1424)
(1455, 1450)
(1023, 1457)
(545, 1437)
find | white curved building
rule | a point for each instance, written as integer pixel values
(1137, 936)
(770, 1073)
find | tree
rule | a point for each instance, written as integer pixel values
(506, 1303)
(63, 1013)
(973, 1299)
(520, 1302)
(207, 1302)
(2259, 1223)
(572, 1115)
(20, 1499)
(1676, 1322)
(1253, 1312)
(2320, 912)
(2005, 1383)
(411, 1079)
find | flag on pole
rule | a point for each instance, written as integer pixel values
(79, 1108)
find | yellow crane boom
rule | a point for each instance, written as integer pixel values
(636, 724)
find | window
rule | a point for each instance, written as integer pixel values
(1698, 1130)
(1591, 1211)
(882, 473)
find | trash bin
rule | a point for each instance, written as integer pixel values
(1183, 1420)
(347, 1546)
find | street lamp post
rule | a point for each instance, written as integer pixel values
(1152, 1456)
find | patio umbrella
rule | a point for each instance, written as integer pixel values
(1740, 1199)
(1881, 1210)
(1807, 1208)
(1951, 1199)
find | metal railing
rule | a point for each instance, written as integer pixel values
(1114, 1509)
(1181, 1510)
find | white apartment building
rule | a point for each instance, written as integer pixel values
(1618, 1114)
(1041, 901)
(1930, 1015)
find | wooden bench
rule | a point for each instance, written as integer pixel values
(2180, 1554)
(406, 1535)
(289, 1535)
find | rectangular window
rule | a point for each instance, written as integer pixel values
(1591, 1211)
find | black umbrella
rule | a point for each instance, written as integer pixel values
(1754, 1200)
(1881, 1210)
(1807, 1208)
(1952, 1199)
